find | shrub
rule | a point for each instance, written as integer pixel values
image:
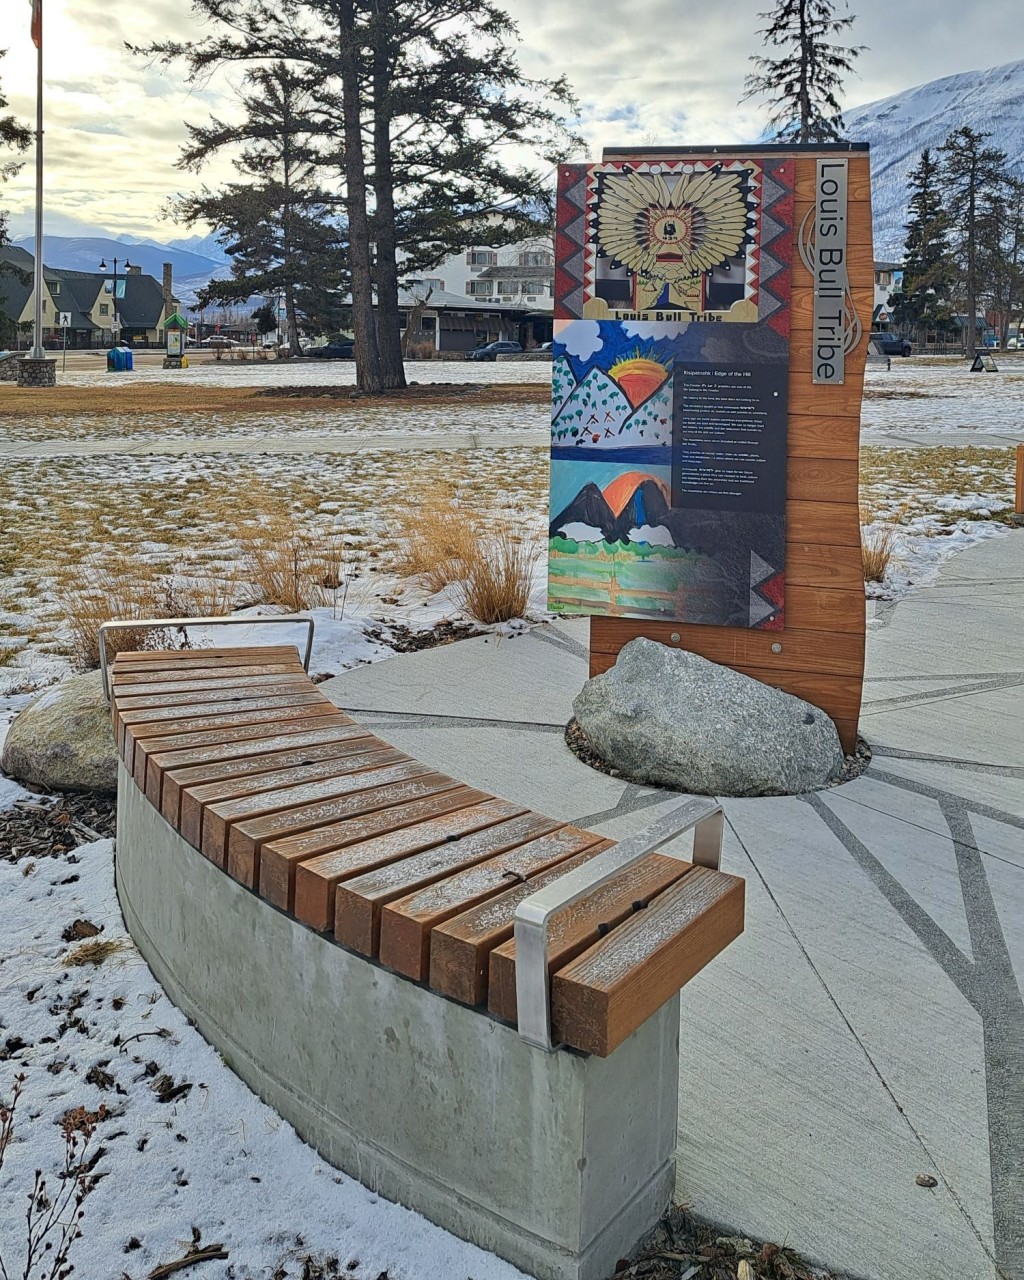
(498, 576)
(287, 564)
(119, 589)
(436, 537)
(877, 548)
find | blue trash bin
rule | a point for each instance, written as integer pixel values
(112, 360)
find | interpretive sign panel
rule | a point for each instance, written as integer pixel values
(670, 382)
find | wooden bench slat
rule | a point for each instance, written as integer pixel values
(170, 771)
(218, 819)
(169, 782)
(197, 798)
(303, 720)
(460, 947)
(603, 995)
(311, 705)
(177, 657)
(219, 707)
(574, 930)
(178, 677)
(358, 902)
(454, 814)
(168, 706)
(186, 691)
(405, 924)
(248, 837)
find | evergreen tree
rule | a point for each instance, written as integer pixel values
(279, 228)
(928, 270)
(14, 138)
(801, 83)
(972, 174)
(1001, 251)
(433, 113)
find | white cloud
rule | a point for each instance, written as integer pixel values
(582, 338)
(653, 328)
(646, 71)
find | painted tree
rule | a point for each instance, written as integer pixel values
(925, 301)
(802, 81)
(434, 118)
(972, 174)
(279, 224)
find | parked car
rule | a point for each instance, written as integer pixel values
(891, 344)
(332, 351)
(1015, 344)
(219, 340)
(494, 349)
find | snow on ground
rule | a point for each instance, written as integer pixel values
(187, 1151)
(936, 394)
(920, 549)
(312, 373)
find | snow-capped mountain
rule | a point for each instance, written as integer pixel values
(899, 128)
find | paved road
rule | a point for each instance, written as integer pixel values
(868, 1027)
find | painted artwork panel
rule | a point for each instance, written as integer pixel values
(669, 390)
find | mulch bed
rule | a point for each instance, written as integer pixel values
(53, 825)
(581, 747)
(404, 639)
(682, 1248)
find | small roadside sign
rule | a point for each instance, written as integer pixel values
(65, 319)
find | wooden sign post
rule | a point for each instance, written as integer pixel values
(813, 646)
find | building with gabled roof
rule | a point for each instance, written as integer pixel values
(87, 299)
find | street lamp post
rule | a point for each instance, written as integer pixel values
(115, 326)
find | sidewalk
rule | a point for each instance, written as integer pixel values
(868, 1026)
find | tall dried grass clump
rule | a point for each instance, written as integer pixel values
(877, 549)
(437, 538)
(117, 588)
(498, 574)
(288, 564)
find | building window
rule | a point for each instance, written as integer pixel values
(104, 308)
(44, 306)
(479, 288)
(535, 258)
(482, 258)
(54, 286)
(436, 285)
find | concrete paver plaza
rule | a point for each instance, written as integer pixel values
(868, 1026)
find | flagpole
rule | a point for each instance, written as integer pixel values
(37, 352)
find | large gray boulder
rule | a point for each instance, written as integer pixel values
(674, 719)
(63, 740)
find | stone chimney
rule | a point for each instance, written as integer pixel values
(168, 287)
(133, 271)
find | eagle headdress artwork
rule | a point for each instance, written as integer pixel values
(669, 230)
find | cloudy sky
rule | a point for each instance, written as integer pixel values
(645, 71)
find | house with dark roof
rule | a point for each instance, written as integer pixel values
(87, 299)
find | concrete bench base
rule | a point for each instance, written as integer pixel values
(558, 1162)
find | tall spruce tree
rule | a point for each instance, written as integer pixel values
(972, 174)
(925, 301)
(801, 83)
(14, 138)
(434, 115)
(1001, 252)
(280, 227)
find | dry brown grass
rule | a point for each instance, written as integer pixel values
(877, 548)
(296, 565)
(94, 952)
(495, 584)
(116, 589)
(436, 537)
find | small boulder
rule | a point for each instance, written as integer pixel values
(63, 740)
(673, 719)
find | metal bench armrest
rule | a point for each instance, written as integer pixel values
(533, 915)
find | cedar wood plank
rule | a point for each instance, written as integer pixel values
(247, 838)
(358, 902)
(405, 923)
(460, 947)
(602, 996)
(574, 930)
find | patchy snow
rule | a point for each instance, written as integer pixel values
(935, 396)
(920, 549)
(213, 1160)
(10, 791)
(981, 503)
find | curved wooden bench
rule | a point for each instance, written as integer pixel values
(331, 834)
